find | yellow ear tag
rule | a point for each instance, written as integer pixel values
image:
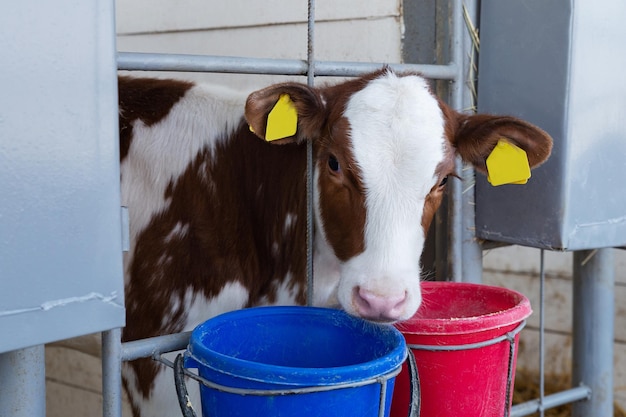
(282, 121)
(507, 164)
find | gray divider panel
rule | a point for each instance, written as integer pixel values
(60, 226)
(559, 65)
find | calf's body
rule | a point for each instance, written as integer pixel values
(218, 216)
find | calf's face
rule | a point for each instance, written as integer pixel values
(384, 147)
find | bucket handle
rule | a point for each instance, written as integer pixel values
(414, 384)
(181, 388)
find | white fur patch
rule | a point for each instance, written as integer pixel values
(285, 293)
(179, 231)
(232, 296)
(290, 221)
(326, 268)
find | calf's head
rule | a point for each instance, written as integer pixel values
(384, 147)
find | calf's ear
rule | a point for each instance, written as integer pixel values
(475, 137)
(299, 110)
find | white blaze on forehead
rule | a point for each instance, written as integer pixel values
(397, 133)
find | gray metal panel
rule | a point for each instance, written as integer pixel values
(60, 228)
(558, 65)
(516, 51)
(596, 213)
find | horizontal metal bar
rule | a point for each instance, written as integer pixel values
(352, 69)
(550, 401)
(146, 348)
(140, 61)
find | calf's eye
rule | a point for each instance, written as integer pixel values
(444, 181)
(333, 164)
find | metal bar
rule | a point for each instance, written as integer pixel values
(471, 250)
(550, 401)
(593, 330)
(382, 398)
(23, 381)
(542, 332)
(457, 54)
(509, 378)
(111, 373)
(149, 347)
(309, 161)
(472, 254)
(310, 58)
(353, 69)
(456, 187)
(140, 61)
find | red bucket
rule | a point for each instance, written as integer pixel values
(464, 338)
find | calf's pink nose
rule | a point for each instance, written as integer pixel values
(376, 307)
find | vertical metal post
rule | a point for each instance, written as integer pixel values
(23, 382)
(455, 255)
(309, 159)
(471, 248)
(542, 331)
(465, 252)
(112, 373)
(593, 330)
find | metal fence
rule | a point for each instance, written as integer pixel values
(593, 279)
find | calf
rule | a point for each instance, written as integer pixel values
(218, 216)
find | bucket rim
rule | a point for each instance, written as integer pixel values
(199, 355)
(519, 311)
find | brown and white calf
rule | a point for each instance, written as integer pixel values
(218, 214)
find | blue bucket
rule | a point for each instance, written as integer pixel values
(295, 361)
